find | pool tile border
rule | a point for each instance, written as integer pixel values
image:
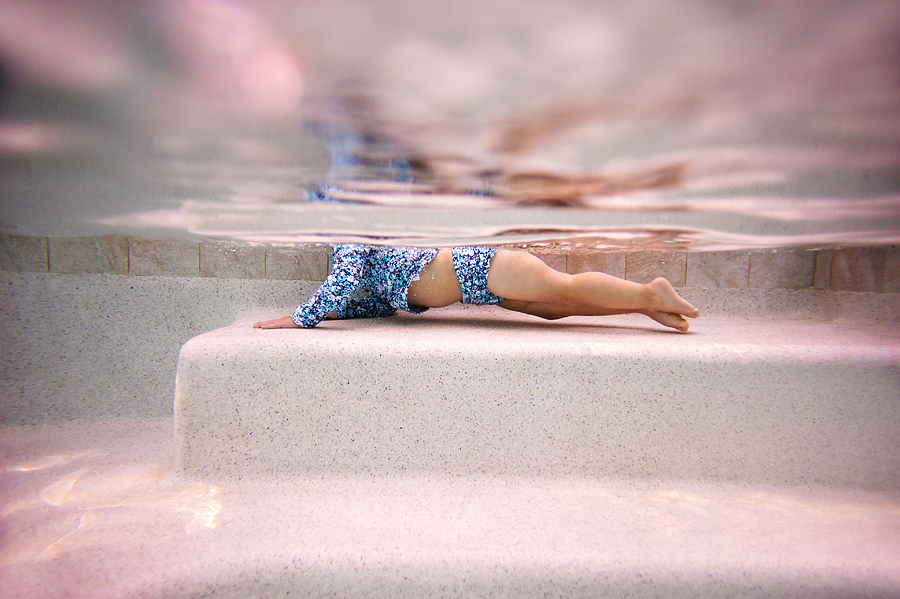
(719, 269)
(225, 260)
(106, 254)
(862, 269)
(644, 266)
(163, 258)
(782, 269)
(23, 254)
(858, 269)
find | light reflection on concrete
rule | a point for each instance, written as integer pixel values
(150, 489)
(67, 541)
(94, 511)
(116, 522)
(48, 461)
(96, 507)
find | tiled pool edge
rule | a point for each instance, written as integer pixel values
(861, 269)
(131, 256)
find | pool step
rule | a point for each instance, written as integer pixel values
(112, 523)
(481, 391)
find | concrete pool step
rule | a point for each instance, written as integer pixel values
(91, 509)
(482, 391)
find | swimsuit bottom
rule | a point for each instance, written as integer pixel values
(472, 264)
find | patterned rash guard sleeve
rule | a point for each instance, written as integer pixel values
(367, 307)
(334, 294)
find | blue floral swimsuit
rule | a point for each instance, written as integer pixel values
(386, 274)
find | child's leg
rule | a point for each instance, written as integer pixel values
(556, 311)
(521, 276)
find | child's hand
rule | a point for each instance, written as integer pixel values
(277, 323)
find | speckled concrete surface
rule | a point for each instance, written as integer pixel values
(92, 509)
(470, 391)
(82, 346)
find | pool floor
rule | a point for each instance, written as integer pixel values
(93, 509)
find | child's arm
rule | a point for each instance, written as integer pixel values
(334, 294)
(367, 307)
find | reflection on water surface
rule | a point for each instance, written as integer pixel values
(600, 124)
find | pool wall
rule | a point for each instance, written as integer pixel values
(99, 334)
(92, 326)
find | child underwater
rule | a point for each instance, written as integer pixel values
(415, 279)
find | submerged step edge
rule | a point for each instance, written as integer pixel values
(463, 391)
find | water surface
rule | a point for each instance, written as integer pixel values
(590, 124)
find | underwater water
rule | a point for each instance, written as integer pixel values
(592, 124)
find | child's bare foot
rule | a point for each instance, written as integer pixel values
(668, 319)
(666, 300)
